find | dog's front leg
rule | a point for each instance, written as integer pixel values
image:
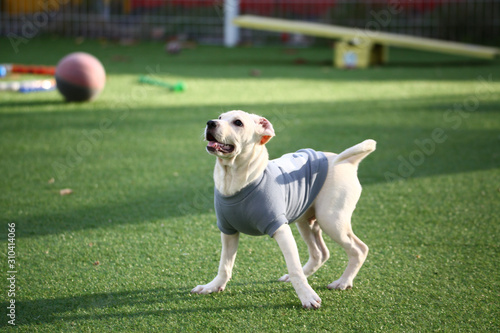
(286, 242)
(227, 257)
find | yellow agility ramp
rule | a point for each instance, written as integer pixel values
(361, 48)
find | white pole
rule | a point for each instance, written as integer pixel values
(231, 32)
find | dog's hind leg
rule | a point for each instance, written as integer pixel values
(338, 227)
(318, 252)
(334, 212)
(335, 205)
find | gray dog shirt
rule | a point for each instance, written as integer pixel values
(287, 187)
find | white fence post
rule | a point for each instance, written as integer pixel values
(231, 32)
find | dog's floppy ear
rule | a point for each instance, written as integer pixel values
(266, 130)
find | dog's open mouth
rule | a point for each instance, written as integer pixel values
(214, 145)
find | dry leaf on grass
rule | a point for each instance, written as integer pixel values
(66, 191)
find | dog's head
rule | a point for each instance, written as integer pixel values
(236, 131)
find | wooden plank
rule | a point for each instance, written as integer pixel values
(390, 39)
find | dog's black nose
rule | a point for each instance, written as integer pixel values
(211, 124)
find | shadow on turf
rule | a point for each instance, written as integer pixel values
(33, 103)
(455, 63)
(164, 300)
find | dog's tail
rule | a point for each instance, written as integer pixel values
(355, 154)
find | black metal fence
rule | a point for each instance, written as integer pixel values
(202, 20)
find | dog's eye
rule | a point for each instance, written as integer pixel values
(220, 117)
(238, 123)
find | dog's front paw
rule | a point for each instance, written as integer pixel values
(308, 297)
(340, 284)
(213, 287)
(207, 289)
(310, 300)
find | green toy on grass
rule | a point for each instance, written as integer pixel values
(179, 86)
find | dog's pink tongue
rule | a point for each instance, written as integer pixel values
(213, 144)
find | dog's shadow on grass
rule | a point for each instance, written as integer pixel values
(159, 301)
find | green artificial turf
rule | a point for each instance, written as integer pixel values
(122, 252)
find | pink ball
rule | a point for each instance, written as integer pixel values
(80, 77)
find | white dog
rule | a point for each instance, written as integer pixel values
(253, 195)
